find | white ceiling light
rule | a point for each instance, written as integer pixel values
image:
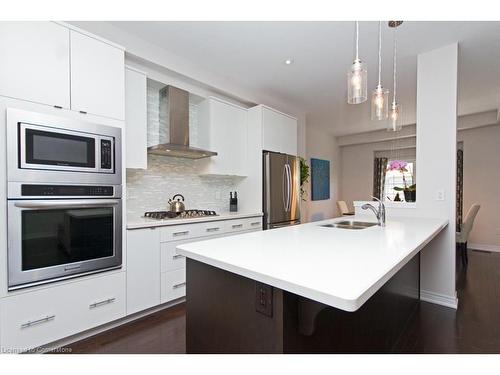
(380, 96)
(288, 61)
(357, 78)
(395, 122)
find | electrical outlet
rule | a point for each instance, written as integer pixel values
(264, 299)
(440, 196)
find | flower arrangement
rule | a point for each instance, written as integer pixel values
(409, 191)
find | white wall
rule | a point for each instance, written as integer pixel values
(481, 178)
(436, 161)
(482, 183)
(322, 145)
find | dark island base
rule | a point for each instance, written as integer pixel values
(228, 313)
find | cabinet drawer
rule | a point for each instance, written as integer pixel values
(212, 228)
(170, 260)
(180, 232)
(235, 225)
(173, 285)
(35, 318)
(253, 223)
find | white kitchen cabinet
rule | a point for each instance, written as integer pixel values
(34, 63)
(97, 77)
(136, 117)
(223, 129)
(31, 319)
(143, 269)
(279, 132)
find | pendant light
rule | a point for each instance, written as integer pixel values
(357, 78)
(380, 96)
(395, 113)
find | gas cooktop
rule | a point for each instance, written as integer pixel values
(187, 214)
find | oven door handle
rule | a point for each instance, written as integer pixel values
(67, 204)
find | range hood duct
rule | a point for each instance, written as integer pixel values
(176, 113)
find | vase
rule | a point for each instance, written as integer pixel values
(410, 196)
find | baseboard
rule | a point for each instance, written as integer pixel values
(439, 299)
(483, 247)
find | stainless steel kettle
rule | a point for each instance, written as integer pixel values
(177, 205)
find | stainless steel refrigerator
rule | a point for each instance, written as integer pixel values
(281, 205)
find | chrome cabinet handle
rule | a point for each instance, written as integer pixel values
(101, 303)
(215, 229)
(178, 256)
(255, 223)
(48, 318)
(181, 233)
(176, 286)
(237, 226)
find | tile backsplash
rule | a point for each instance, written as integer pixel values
(150, 189)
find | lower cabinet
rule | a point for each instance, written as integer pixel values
(173, 285)
(32, 319)
(143, 269)
(156, 274)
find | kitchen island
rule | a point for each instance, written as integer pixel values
(306, 288)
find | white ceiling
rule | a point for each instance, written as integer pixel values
(251, 55)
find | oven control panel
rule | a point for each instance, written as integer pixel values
(66, 191)
(106, 154)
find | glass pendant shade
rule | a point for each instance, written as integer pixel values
(380, 103)
(357, 83)
(395, 120)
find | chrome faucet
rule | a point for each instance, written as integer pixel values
(380, 213)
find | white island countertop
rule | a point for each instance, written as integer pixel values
(342, 268)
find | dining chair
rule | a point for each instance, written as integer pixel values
(344, 210)
(463, 236)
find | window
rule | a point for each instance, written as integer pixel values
(395, 179)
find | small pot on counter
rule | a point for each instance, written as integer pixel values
(177, 205)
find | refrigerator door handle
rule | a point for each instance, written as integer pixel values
(289, 187)
(284, 187)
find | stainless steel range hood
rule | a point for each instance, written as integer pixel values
(176, 112)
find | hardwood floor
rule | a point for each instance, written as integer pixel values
(473, 328)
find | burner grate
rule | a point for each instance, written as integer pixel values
(160, 215)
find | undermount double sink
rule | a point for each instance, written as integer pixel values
(349, 225)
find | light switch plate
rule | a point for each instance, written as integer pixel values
(440, 196)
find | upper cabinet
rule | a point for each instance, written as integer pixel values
(136, 118)
(34, 63)
(50, 63)
(279, 132)
(223, 129)
(97, 77)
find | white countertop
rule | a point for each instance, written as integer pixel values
(342, 268)
(144, 222)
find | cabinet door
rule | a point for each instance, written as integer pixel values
(143, 269)
(35, 62)
(288, 135)
(228, 135)
(279, 132)
(97, 77)
(136, 119)
(271, 130)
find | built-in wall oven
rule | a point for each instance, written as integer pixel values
(64, 193)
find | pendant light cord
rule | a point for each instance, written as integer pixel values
(379, 50)
(357, 41)
(394, 67)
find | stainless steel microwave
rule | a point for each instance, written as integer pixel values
(45, 148)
